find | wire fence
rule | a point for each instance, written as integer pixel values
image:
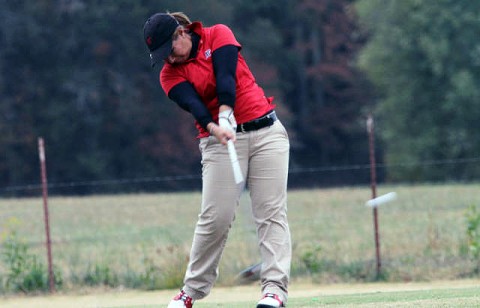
(197, 177)
(87, 224)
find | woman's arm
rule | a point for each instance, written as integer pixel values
(186, 97)
(225, 66)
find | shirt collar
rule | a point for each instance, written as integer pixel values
(196, 29)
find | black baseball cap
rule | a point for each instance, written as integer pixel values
(158, 31)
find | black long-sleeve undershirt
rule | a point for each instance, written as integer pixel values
(186, 97)
(224, 64)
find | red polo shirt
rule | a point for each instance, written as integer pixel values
(250, 102)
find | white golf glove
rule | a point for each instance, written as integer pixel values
(226, 119)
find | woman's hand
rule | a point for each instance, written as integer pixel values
(223, 134)
(227, 125)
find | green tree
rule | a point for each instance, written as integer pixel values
(423, 57)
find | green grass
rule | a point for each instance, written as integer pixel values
(431, 296)
(422, 233)
(458, 297)
(426, 298)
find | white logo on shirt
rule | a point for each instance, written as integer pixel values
(208, 53)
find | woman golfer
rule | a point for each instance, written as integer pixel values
(205, 74)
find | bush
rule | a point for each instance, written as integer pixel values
(168, 274)
(315, 264)
(101, 274)
(25, 273)
(313, 261)
(473, 235)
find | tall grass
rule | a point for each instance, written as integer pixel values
(143, 240)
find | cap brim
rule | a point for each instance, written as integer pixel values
(161, 53)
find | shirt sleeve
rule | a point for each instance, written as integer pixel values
(223, 35)
(170, 78)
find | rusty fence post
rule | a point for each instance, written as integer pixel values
(43, 175)
(373, 184)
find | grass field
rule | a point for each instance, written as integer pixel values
(423, 235)
(463, 293)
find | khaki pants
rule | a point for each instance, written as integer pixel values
(263, 157)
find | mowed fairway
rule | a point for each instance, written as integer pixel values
(461, 293)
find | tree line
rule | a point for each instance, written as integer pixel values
(424, 59)
(77, 73)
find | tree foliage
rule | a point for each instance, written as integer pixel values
(423, 56)
(77, 73)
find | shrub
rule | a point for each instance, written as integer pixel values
(164, 269)
(100, 274)
(313, 261)
(359, 270)
(25, 273)
(473, 234)
(149, 278)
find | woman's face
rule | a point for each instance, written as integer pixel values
(181, 47)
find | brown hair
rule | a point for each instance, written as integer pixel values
(181, 17)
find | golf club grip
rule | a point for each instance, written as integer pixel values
(237, 172)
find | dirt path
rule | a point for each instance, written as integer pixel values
(119, 298)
